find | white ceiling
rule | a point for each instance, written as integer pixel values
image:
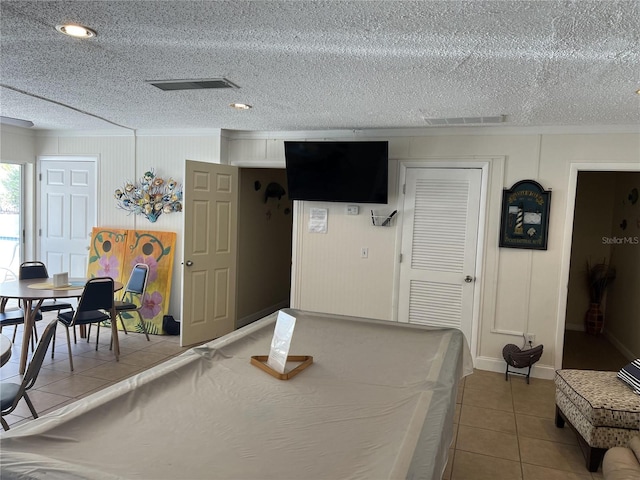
(321, 65)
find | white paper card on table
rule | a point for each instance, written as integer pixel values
(60, 279)
(281, 341)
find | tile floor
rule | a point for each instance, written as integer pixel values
(502, 430)
(506, 430)
(93, 370)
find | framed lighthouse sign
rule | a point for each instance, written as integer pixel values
(525, 216)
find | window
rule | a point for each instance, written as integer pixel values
(10, 220)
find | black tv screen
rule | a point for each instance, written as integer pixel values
(337, 171)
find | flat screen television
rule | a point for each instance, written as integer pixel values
(337, 171)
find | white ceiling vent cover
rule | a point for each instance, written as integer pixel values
(457, 121)
(192, 84)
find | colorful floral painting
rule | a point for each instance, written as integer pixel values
(115, 252)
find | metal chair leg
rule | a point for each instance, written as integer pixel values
(69, 347)
(144, 327)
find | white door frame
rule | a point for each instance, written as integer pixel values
(38, 202)
(454, 163)
(574, 169)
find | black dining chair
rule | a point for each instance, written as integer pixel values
(11, 393)
(133, 295)
(95, 306)
(13, 318)
(35, 270)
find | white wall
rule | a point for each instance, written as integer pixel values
(125, 158)
(521, 290)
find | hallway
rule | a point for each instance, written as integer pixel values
(591, 352)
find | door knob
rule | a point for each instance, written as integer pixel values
(188, 263)
(468, 279)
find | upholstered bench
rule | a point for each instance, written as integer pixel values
(601, 408)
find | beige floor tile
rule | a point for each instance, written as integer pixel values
(80, 364)
(456, 414)
(112, 371)
(13, 419)
(537, 385)
(47, 376)
(552, 454)
(535, 472)
(172, 348)
(143, 358)
(74, 386)
(487, 380)
(543, 391)
(57, 407)
(488, 399)
(454, 439)
(134, 340)
(447, 471)
(544, 429)
(41, 401)
(534, 405)
(487, 442)
(9, 371)
(497, 420)
(472, 466)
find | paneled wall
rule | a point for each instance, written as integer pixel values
(520, 290)
(126, 158)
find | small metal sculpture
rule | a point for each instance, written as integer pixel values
(517, 358)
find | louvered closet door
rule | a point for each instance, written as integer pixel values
(439, 243)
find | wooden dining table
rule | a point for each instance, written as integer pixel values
(5, 349)
(32, 292)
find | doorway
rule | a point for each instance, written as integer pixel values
(261, 234)
(605, 229)
(265, 227)
(68, 211)
(440, 243)
(11, 194)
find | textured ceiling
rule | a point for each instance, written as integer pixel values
(321, 65)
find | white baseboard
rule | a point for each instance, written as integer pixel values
(261, 314)
(546, 372)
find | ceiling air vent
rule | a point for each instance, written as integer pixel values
(192, 84)
(440, 122)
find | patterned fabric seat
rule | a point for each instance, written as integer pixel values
(602, 409)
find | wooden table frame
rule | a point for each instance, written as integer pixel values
(32, 299)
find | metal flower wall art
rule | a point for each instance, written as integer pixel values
(151, 196)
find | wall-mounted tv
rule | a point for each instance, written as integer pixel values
(337, 171)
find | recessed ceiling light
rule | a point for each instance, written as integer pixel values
(240, 106)
(77, 31)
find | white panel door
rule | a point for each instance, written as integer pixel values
(68, 212)
(439, 245)
(210, 250)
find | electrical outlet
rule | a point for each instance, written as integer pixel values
(364, 252)
(530, 338)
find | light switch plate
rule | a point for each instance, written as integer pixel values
(352, 209)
